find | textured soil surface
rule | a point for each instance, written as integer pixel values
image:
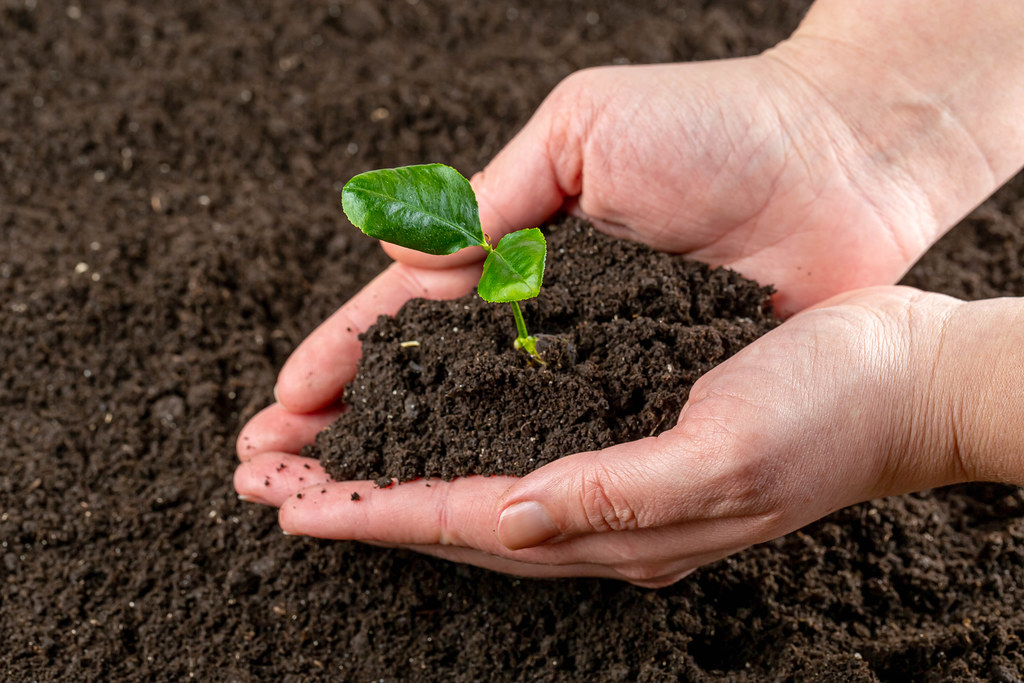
(625, 332)
(169, 231)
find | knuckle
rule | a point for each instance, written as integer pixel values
(742, 474)
(567, 114)
(573, 85)
(605, 507)
(446, 530)
(752, 483)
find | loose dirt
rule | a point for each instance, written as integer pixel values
(169, 231)
(625, 332)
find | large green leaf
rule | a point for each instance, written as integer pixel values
(515, 269)
(430, 208)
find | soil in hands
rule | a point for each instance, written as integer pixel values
(625, 332)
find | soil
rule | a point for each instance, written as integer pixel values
(169, 231)
(624, 332)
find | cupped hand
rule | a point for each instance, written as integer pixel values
(826, 164)
(834, 407)
(755, 164)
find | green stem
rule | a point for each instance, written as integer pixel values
(520, 323)
(524, 341)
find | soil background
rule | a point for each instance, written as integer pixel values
(169, 231)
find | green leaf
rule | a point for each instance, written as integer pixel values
(430, 208)
(515, 269)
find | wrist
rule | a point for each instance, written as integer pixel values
(966, 58)
(913, 412)
(939, 129)
(981, 371)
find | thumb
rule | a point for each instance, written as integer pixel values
(530, 179)
(527, 182)
(639, 485)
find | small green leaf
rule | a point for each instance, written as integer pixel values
(430, 208)
(515, 269)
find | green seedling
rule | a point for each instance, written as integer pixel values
(432, 208)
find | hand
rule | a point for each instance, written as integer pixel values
(836, 406)
(828, 163)
(776, 166)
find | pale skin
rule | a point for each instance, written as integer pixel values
(826, 166)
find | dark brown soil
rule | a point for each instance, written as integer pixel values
(626, 331)
(169, 231)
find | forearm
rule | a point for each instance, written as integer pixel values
(932, 90)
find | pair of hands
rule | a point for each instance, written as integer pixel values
(754, 164)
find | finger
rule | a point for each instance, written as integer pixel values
(452, 517)
(646, 484)
(272, 478)
(648, 578)
(422, 512)
(444, 519)
(529, 179)
(645, 554)
(533, 175)
(315, 374)
(478, 558)
(418, 259)
(276, 429)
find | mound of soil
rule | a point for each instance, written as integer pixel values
(169, 231)
(441, 392)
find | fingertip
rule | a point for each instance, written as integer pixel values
(521, 187)
(287, 518)
(242, 481)
(283, 521)
(250, 440)
(245, 448)
(297, 390)
(277, 429)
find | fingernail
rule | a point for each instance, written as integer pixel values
(252, 499)
(276, 399)
(525, 525)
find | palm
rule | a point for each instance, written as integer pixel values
(729, 163)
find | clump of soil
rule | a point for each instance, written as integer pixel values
(441, 392)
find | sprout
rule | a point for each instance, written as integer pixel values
(432, 208)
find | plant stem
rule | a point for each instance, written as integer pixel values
(524, 341)
(520, 323)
